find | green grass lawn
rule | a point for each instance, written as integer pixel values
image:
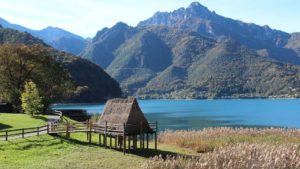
(76, 153)
(10, 121)
(57, 152)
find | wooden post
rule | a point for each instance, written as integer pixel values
(115, 142)
(105, 135)
(129, 140)
(155, 135)
(52, 127)
(48, 128)
(143, 140)
(99, 139)
(90, 132)
(147, 140)
(135, 141)
(67, 130)
(6, 135)
(141, 135)
(124, 139)
(110, 141)
(38, 131)
(87, 128)
(23, 133)
(120, 142)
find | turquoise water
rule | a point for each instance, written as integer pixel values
(197, 114)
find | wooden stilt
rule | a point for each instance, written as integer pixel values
(143, 141)
(87, 127)
(141, 135)
(102, 140)
(155, 135)
(147, 140)
(120, 142)
(105, 135)
(115, 142)
(124, 139)
(99, 139)
(129, 139)
(110, 141)
(135, 141)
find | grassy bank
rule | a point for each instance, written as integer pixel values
(57, 152)
(208, 148)
(10, 121)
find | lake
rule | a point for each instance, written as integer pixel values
(198, 114)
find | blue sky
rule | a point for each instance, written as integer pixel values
(86, 17)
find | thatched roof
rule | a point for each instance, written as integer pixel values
(125, 111)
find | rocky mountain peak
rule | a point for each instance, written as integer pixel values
(120, 25)
(197, 6)
(197, 10)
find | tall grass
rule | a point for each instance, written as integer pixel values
(207, 140)
(254, 156)
(234, 148)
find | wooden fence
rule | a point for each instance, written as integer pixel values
(109, 132)
(21, 133)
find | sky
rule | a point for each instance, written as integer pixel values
(86, 17)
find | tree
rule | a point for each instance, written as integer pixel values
(21, 63)
(32, 102)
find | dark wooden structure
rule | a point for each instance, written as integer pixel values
(122, 125)
(78, 115)
(5, 107)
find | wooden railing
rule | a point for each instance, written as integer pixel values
(6, 134)
(21, 133)
(107, 131)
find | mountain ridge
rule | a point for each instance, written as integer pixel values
(197, 59)
(53, 36)
(97, 85)
(200, 19)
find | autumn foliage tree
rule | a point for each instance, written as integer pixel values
(21, 63)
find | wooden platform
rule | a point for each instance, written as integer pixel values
(107, 133)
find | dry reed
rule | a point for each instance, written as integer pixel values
(207, 140)
(254, 156)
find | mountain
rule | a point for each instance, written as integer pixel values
(105, 42)
(294, 43)
(209, 24)
(55, 37)
(171, 62)
(97, 85)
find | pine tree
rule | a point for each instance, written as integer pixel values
(32, 102)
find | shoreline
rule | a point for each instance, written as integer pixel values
(258, 98)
